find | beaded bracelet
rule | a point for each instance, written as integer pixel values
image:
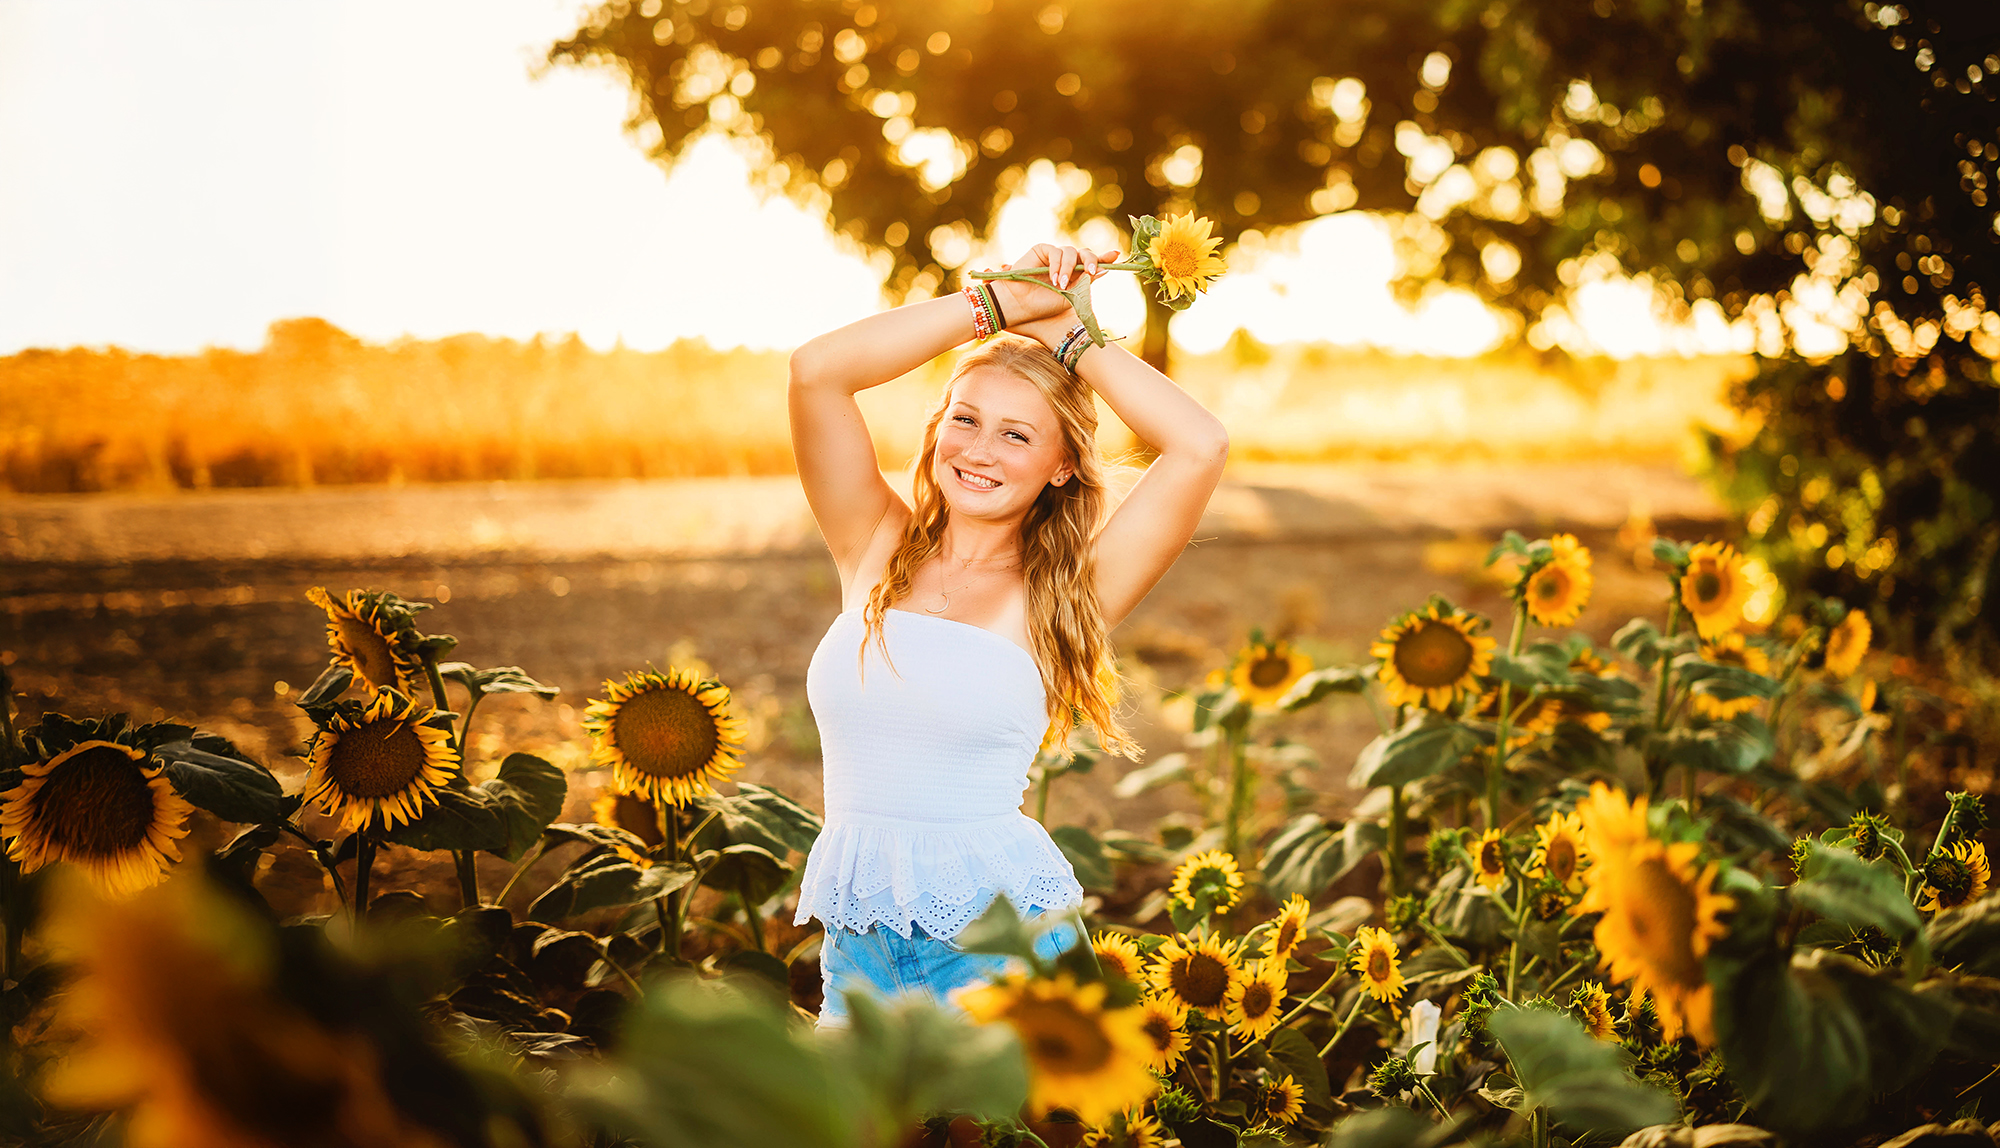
(1070, 351)
(983, 326)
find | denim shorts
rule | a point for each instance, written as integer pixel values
(888, 966)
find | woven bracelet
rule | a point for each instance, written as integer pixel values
(982, 319)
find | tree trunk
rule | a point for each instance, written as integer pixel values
(1153, 345)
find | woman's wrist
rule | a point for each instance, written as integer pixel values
(1047, 331)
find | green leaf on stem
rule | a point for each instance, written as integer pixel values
(606, 881)
(1841, 886)
(1086, 856)
(1309, 855)
(1318, 685)
(1429, 743)
(1581, 1080)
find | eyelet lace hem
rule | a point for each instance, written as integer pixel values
(866, 871)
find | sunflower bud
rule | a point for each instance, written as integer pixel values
(1176, 1105)
(1968, 814)
(1392, 1078)
(1403, 912)
(1801, 853)
(1443, 849)
(1866, 830)
(1481, 997)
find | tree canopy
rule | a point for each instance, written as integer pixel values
(1820, 169)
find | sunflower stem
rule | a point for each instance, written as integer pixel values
(1239, 789)
(1539, 1123)
(521, 869)
(750, 914)
(1655, 770)
(468, 878)
(1346, 1024)
(1218, 1065)
(1030, 1133)
(324, 858)
(1315, 995)
(670, 937)
(1520, 923)
(1499, 766)
(1398, 830)
(1042, 799)
(364, 860)
(1432, 1097)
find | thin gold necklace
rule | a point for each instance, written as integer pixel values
(945, 592)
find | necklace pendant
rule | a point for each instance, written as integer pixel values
(940, 609)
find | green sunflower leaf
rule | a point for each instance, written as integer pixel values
(465, 818)
(915, 1060)
(998, 930)
(498, 680)
(1581, 1080)
(208, 772)
(1168, 769)
(608, 881)
(709, 1063)
(1086, 856)
(1968, 938)
(1319, 685)
(331, 683)
(757, 815)
(751, 870)
(529, 794)
(1297, 1055)
(1429, 743)
(1841, 886)
(1309, 855)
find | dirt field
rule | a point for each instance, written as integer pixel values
(191, 606)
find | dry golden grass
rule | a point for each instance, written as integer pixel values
(316, 406)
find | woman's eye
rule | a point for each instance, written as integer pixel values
(961, 418)
(1018, 436)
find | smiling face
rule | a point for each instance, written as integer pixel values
(998, 446)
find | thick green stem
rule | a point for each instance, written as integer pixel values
(1655, 770)
(1239, 791)
(1398, 831)
(670, 828)
(750, 914)
(324, 858)
(1520, 923)
(1498, 768)
(1042, 798)
(364, 861)
(468, 877)
(1344, 1025)
(1218, 1059)
(1539, 1124)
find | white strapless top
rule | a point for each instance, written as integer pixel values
(925, 768)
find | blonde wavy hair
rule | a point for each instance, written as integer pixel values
(1058, 562)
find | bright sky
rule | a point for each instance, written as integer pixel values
(179, 173)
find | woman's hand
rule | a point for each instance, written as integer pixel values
(1026, 303)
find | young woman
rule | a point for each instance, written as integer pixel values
(974, 618)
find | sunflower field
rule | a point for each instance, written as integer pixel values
(1680, 889)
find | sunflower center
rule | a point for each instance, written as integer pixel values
(1707, 586)
(379, 759)
(1177, 259)
(1551, 584)
(1491, 858)
(1951, 878)
(1561, 858)
(1060, 1039)
(1269, 671)
(1288, 935)
(1200, 980)
(1433, 654)
(665, 733)
(1661, 913)
(97, 803)
(639, 817)
(1257, 1000)
(374, 660)
(1380, 967)
(1159, 1030)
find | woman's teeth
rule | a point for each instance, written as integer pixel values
(974, 480)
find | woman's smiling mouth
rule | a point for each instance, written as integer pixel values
(975, 481)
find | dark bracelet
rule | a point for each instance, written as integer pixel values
(999, 316)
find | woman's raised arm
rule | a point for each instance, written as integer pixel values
(835, 456)
(1152, 526)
